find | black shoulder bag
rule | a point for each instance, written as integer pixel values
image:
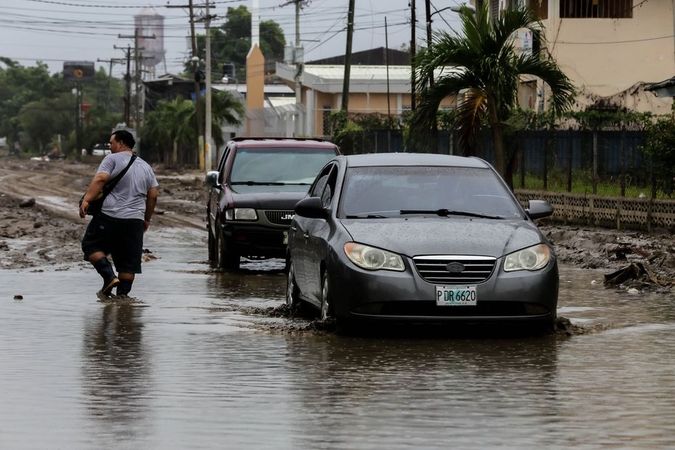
(97, 203)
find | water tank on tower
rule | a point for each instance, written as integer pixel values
(148, 24)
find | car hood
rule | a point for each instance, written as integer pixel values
(444, 235)
(267, 199)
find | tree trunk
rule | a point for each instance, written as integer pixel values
(497, 141)
(174, 157)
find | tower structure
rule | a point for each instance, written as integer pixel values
(150, 29)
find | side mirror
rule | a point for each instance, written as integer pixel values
(538, 209)
(311, 207)
(212, 178)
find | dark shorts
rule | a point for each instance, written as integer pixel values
(120, 238)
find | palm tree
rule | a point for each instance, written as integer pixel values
(174, 123)
(224, 109)
(169, 125)
(483, 64)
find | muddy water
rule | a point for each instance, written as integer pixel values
(208, 360)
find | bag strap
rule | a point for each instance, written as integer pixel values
(110, 185)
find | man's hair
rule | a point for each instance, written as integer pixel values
(125, 137)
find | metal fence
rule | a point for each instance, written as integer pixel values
(594, 162)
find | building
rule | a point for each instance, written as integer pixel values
(376, 86)
(611, 49)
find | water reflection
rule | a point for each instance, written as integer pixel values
(116, 372)
(422, 393)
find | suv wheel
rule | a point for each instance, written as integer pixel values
(227, 260)
(213, 249)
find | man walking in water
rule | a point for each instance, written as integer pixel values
(125, 216)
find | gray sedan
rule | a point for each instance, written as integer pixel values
(420, 237)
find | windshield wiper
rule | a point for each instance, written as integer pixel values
(366, 216)
(258, 183)
(448, 212)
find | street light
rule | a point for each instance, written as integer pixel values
(454, 8)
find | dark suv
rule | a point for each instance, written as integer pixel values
(253, 193)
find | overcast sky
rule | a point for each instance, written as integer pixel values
(54, 31)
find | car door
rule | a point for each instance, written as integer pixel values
(216, 193)
(317, 233)
(298, 236)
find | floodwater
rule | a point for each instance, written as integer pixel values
(207, 363)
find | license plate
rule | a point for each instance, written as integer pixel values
(285, 237)
(456, 296)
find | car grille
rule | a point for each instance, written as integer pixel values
(279, 217)
(454, 269)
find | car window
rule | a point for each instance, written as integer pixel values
(322, 179)
(329, 189)
(286, 166)
(221, 165)
(392, 189)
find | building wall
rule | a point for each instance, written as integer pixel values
(610, 57)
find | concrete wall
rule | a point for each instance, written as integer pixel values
(607, 57)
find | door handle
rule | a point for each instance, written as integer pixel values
(306, 235)
(294, 228)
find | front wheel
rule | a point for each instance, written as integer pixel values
(292, 291)
(212, 249)
(227, 260)
(326, 311)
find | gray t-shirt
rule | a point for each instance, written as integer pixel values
(127, 199)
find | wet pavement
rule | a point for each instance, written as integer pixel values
(208, 360)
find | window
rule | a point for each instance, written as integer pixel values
(596, 9)
(540, 8)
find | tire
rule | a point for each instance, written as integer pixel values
(227, 260)
(213, 249)
(292, 292)
(326, 311)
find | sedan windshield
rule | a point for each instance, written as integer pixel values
(291, 167)
(377, 192)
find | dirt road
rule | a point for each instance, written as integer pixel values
(39, 222)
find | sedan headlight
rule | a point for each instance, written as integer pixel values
(372, 258)
(531, 258)
(241, 214)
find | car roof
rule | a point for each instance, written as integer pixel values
(280, 142)
(413, 159)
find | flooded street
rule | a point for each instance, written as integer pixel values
(208, 361)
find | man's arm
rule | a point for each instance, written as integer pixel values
(97, 183)
(150, 203)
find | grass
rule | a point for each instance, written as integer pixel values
(583, 184)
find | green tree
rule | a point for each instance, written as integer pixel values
(172, 124)
(44, 119)
(231, 42)
(485, 65)
(224, 109)
(20, 86)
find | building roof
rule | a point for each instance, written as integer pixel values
(377, 56)
(665, 88)
(363, 78)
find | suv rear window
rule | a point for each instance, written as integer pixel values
(283, 166)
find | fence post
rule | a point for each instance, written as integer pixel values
(623, 161)
(595, 162)
(570, 159)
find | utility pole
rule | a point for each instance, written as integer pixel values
(298, 56)
(195, 61)
(127, 84)
(207, 127)
(427, 4)
(111, 61)
(348, 57)
(413, 41)
(138, 90)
